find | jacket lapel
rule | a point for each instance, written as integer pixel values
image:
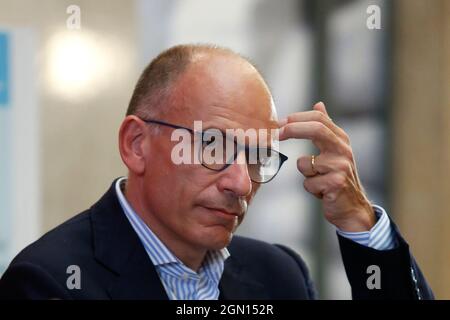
(138, 280)
(236, 284)
(117, 246)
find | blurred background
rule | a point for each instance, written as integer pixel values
(68, 68)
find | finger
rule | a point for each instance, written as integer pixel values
(318, 114)
(317, 132)
(314, 186)
(282, 122)
(325, 186)
(320, 106)
(314, 115)
(306, 167)
(323, 164)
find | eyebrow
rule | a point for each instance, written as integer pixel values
(213, 128)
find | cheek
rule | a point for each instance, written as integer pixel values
(174, 187)
(162, 186)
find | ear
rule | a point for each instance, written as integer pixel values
(131, 144)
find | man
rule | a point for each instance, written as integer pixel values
(166, 231)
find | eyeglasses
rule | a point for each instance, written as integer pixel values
(214, 153)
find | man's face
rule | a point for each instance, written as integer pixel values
(193, 204)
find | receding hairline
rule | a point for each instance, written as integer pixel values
(153, 90)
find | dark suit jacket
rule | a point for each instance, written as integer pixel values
(114, 265)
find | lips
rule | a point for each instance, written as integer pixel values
(224, 211)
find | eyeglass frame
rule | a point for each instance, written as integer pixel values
(283, 157)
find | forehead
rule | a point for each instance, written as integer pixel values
(224, 92)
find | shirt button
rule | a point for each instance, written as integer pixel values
(185, 276)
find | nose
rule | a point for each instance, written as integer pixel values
(235, 178)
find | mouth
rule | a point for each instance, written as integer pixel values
(222, 213)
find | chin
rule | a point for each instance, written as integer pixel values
(214, 239)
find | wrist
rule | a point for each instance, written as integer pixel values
(362, 220)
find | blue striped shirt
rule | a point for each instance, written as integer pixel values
(380, 237)
(180, 282)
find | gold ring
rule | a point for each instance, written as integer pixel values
(313, 161)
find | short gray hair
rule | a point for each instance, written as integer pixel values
(155, 84)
